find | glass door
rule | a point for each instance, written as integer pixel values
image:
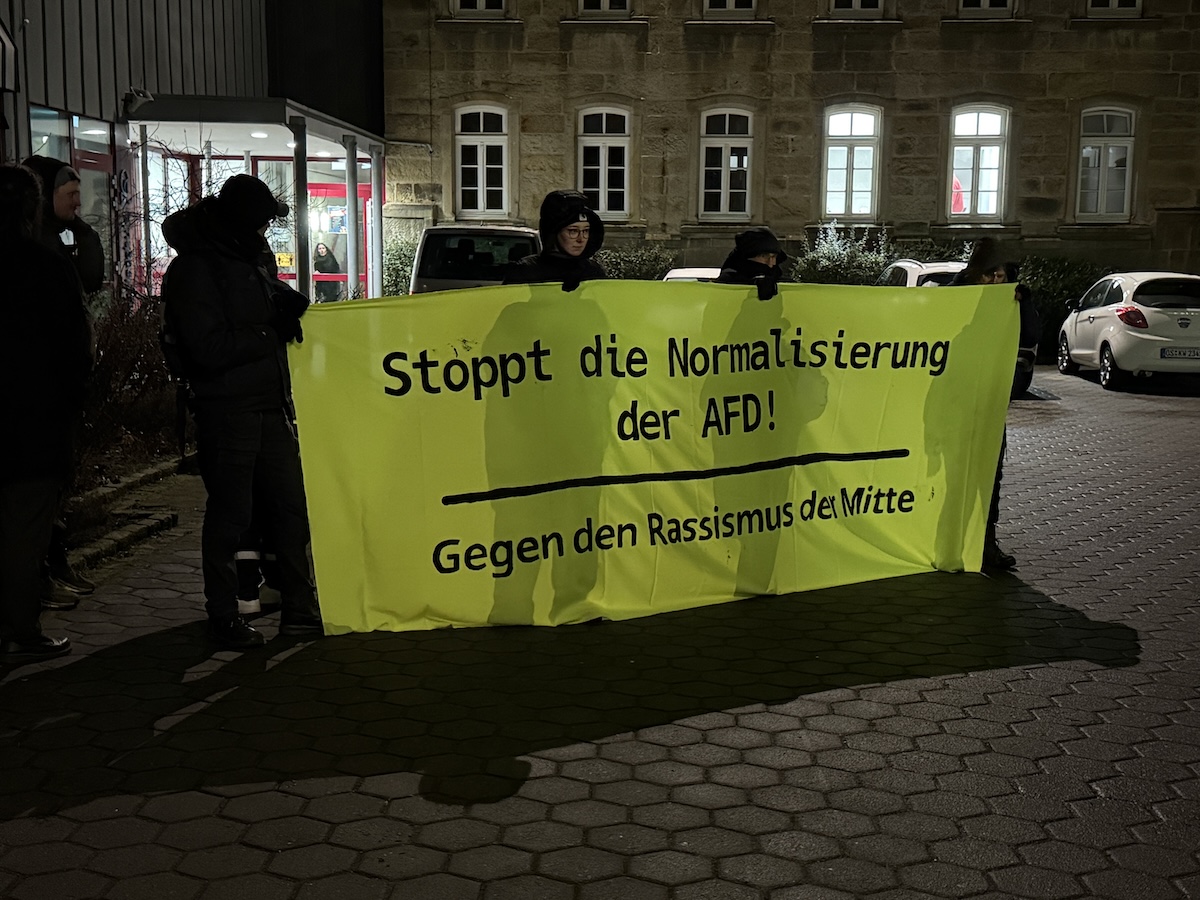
(328, 222)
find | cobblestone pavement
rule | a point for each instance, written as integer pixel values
(938, 736)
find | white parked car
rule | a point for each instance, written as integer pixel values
(913, 273)
(696, 273)
(1133, 323)
(450, 257)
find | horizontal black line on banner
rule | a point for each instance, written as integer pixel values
(804, 459)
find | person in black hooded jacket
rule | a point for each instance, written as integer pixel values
(62, 230)
(230, 320)
(45, 357)
(571, 234)
(756, 259)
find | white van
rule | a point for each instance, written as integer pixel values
(450, 257)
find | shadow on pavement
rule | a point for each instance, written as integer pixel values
(461, 707)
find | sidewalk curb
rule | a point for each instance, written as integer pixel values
(99, 502)
(106, 495)
(123, 539)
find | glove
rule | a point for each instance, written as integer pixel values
(570, 283)
(287, 327)
(288, 301)
(767, 288)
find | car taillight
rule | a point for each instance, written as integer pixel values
(1133, 316)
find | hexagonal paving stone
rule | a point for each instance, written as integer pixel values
(579, 865)
(670, 867)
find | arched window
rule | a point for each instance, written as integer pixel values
(978, 158)
(613, 8)
(481, 8)
(1105, 159)
(604, 160)
(862, 8)
(851, 171)
(719, 8)
(989, 9)
(481, 161)
(725, 140)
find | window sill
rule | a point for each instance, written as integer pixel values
(729, 24)
(985, 22)
(971, 230)
(713, 229)
(477, 20)
(631, 22)
(1105, 231)
(854, 22)
(1115, 22)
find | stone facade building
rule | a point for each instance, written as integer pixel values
(1071, 126)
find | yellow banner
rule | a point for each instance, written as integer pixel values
(519, 454)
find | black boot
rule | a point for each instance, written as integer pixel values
(994, 558)
(234, 633)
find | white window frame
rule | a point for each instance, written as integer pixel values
(728, 145)
(1102, 145)
(987, 9)
(856, 9)
(483, 9)
(730, 9)
(1114, 9)
(849, 174)
(604, 143)
(605, 9)
(484, 144)
(988, 154)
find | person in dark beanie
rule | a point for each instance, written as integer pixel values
(756, 258)
(45, 357)
(230, 320)
(62, 230)
(571, 234)
(988, 266)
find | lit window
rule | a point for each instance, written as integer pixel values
(872, 9)
(725, 164)
(1099, 8)
(604, 161)
(614, 8)
(479, 7)
(481, 154)
(1105, 154)
(978, 156)
(719, 8)
(851, 161)
(994, 9)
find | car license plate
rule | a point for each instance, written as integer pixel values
(1179, 353)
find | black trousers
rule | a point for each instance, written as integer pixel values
(249, 458)
(27, 511)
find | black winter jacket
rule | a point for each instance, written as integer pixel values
(222, 308)
(552, 265)
(45, 358)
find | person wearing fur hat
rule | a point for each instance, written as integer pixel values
(988, 266)
(61, 201)
(756, 258)
(571, 235)
(230, 320)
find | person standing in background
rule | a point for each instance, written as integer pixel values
(63, 231)
(45, 357)
(326, 263)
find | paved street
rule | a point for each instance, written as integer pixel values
(939, 736)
